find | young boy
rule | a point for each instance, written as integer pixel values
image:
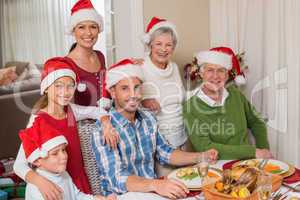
(45, 149)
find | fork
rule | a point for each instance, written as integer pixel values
(278, 195)
(262, 164)
(296, 188)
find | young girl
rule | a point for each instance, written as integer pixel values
(45, 148)
(57, 87)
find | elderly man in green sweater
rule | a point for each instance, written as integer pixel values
(219, 117)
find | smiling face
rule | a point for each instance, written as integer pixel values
(61, 91)
(214, 77)
(127, 94)
(86, 33)
(56, 161)
(162, 47)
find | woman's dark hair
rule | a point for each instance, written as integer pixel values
(73, 47)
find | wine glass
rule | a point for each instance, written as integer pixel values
(202, 166)
(264, 186)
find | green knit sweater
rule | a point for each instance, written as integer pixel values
(225, 128)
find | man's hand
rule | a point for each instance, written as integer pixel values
(109, 197)
(170, 188)
(263, 153)
(111, 136)
(212, 155)
(152, 105)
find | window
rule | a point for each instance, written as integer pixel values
(123, 29)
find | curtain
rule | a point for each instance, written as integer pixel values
(269, 32)
(34, 30)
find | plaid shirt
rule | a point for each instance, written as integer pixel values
(139, 143)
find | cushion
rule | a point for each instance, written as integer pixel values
(29, 79)
(8, 75)
(20, 86)
(30, 71)
(40, 67)
(20, 66)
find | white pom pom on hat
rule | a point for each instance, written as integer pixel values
(81, 87)
(240, 80)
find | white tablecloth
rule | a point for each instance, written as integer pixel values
(152, 196)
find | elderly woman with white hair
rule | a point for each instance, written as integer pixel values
(163, 88)
(219, 117)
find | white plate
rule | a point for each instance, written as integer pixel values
(195, 183)
(283, 166)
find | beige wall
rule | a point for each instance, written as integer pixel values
(191, 18)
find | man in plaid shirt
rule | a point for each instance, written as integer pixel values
(130, 167)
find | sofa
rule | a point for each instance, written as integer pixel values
(16, 101)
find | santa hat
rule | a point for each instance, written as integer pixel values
(54, 69)
(121, 70)
(155, 24)
(238, 76)
(214, 57)
(39, 139)
(105, 100)
(84, 10)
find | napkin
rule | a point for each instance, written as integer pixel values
(293, 178)
(193, 193)
(229, 164)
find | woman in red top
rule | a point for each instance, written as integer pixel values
(85, 26)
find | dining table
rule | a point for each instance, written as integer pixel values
(218, 165)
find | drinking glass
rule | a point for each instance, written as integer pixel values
(203, 166)
(264, 186)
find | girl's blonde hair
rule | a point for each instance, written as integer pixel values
(41, 103)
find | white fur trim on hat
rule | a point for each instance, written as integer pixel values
(121, 72)
(84, 15)
(46, 147)
(53, 76)
(214, 57)
(146, 37)
(240, 80)
(104, 103)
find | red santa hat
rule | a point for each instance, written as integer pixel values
(56, 68)
(214, 57)
(84, 10)
(105, 100)
(39, 139)
(155, 24)
(121, 70)
(235, 71)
